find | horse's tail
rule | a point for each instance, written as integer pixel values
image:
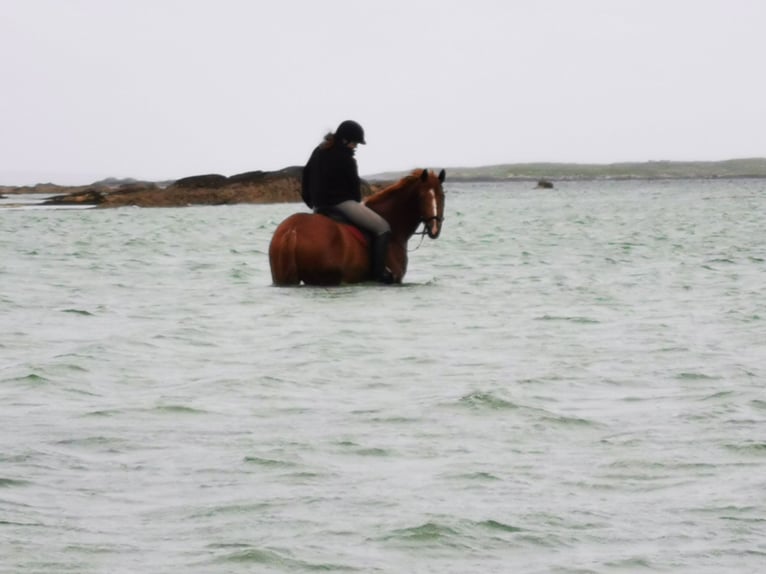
(284, 267)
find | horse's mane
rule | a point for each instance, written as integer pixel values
(395, 188)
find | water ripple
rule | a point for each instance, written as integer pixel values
(567, 382)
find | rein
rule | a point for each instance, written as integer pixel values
(425, 231)
(425, 221)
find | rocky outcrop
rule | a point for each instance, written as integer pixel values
(208, 189)
(282, 186)
(88, 196)
(210, 181)
(544, 184)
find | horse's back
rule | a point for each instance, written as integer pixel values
(316, 250)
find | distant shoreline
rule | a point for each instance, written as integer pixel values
(750, 168)
(283, 186)
(489, 179)
(745, 168)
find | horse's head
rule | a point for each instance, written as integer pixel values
(416, 198)
(431, 202)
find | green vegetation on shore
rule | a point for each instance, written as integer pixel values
(734, 168)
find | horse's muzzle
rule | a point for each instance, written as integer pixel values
(433, 226)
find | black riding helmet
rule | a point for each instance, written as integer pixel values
(350, 131)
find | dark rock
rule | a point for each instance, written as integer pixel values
(91, 196)
(137, 186)
(248, 177)
(262, 176)
(544, 184)
(211, 181)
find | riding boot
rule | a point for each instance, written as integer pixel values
(378, 258)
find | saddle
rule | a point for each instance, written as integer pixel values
(364, 236)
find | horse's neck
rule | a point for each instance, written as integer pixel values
(400, 209)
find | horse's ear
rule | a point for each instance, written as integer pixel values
(424, 175)
(442, 176)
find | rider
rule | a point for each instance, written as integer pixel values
(331, 183)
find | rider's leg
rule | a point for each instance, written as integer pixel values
(367, 219)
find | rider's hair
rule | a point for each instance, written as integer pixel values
(329, 140)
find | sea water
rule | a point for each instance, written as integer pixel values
(568, 381)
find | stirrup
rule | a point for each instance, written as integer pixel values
(387, 278)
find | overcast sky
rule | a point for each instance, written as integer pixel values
(162, 89)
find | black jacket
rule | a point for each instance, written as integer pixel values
(330, 177)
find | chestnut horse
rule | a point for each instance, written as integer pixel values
(316, 250)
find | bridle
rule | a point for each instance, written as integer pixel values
(426, 221)
(427, 229)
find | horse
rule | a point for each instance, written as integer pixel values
(314, 249)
